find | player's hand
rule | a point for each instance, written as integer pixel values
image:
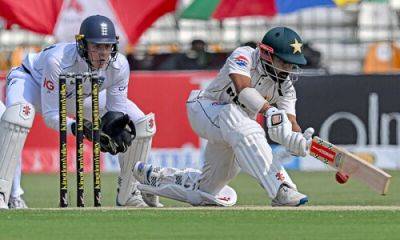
(296, 143)
(107, 142)
(299, 143)
(117, 132)
(87, 129)
(278, 124)
(308, 133)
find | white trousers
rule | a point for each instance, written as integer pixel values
(221, 163)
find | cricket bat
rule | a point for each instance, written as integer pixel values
(350, 164)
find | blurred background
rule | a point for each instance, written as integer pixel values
(349, 90)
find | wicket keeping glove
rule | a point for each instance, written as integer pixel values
(87, 129)
(117, 132)
(116, 135)
(106, 143)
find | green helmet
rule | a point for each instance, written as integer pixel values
(285, 44)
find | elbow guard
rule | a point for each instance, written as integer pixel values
(252, 99)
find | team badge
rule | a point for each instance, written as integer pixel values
(296, 46)
(241, 61)
(104, 29)
(280, 176)
(151, 124)
(101, 80)
(26, 111)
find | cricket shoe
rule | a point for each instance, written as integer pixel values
(152, 200)
(146, 174)
(17, 203)
(288, 196)
(134, 200)
(3, 204)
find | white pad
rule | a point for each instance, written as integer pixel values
(219, 168)
(182, 185)
(14, 128)
(278, 175)
(250, 146)
(138, 151)
(16, 189)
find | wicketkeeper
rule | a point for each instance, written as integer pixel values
(33, 87)
(252, 82)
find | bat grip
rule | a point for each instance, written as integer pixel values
(308, 133)
(308, 136)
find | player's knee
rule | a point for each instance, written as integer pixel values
(20, 114)
(146, 126)
(236, 124)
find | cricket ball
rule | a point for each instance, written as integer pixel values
(341, 177)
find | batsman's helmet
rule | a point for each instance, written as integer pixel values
(96, 29)
(284, 43)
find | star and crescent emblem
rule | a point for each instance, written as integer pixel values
(296, 46)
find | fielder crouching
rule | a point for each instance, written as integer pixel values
(33, 87)
(250, 82)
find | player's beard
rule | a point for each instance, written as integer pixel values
(279, 75)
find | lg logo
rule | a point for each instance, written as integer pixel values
(48, 84)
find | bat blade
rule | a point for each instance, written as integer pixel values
(350, 164)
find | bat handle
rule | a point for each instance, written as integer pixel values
(308, 133)
(308, 136)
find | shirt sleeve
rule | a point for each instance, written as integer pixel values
(287, 102)
(117, 93)
(49, 95)
(240, 62)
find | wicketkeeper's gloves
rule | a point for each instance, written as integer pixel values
(116, 135)
(87, 129)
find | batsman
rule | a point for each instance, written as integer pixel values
(252, 82)
(33, 88)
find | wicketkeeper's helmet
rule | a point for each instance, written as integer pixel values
(96, 29)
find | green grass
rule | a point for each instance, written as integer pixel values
(205, 224)
(41, 191)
